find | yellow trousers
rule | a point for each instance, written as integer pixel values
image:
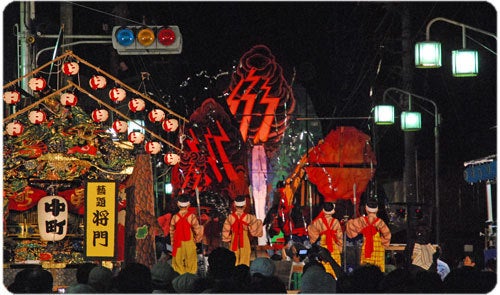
(186, 259)
(378, 255)
(335, 255)
(243, 254)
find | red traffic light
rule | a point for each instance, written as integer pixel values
(166, 36)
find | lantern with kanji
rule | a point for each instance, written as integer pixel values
(172, 159)
(37, 83)
(117, 94)
(68, 99)
(170, 125)
(136, 105)
(11, 97)
(136, 137)
(71, 68)
(120, 126)
(97, 82)
(52, 218)
(37, 117)
(100, 115)
(156, 115)
(14, 128)
(152, 147)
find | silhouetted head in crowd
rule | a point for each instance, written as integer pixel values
(262, 266)
(162, 275)
(364, 279)
(267, 284)
(317, 280)
(80, 289)
(468, 279)
(82, 272)
(397, 281)
(134, 278)
(242, 275)
(32, 280)
(221, 263)
(427, 282)
(100, 279)
(184, 283)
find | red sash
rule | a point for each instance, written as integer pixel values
(182, 232)
(368, 232)
(237, 228)
(330, 233)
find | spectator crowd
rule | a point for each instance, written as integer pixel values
(223, 276)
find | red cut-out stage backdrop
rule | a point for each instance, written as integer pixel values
(214, 156)
(261, 99)
(344, 158)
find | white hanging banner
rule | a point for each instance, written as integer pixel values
(52, 218)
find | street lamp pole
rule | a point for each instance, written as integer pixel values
(436, 148)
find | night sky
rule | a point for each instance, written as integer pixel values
(338, 51)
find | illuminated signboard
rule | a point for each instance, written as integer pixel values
(100, 219)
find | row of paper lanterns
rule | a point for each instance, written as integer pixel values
(116, 94)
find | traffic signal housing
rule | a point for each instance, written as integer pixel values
(147, 40)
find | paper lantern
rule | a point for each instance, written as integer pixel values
(100, 115)
(52, 218)
(120, 126)
(152, 147)
(170, 125)
(117, 94)
(37, 117)
(97, 82)
(156, 115)
(37, 84)
(11, 97)
(136, 137)
(14, 128)
(70, 68)
(68, 99)
(172, 159)
(136, 105)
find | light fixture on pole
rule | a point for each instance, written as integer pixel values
(383, 114)
(464, 61)
(411, 121)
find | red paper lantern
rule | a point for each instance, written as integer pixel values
(97, 82)
(170, 125)
(11, 97)
(100, 115)
(14, 128)
(156, 115)
(71, 68)
(171, 159)
(120, 126)
(37, 84)
(37, 117)
(117, 94)
(136, 137)
(136, 105)
(152, 147)
(68, 99)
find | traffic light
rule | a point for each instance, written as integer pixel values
(147, 40)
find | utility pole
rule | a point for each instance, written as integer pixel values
(66, 15)
(409, 174)
(25, 41)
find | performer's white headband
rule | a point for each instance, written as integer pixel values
(329, 212)
(182, 204)
(372, 210)
(240, 204)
